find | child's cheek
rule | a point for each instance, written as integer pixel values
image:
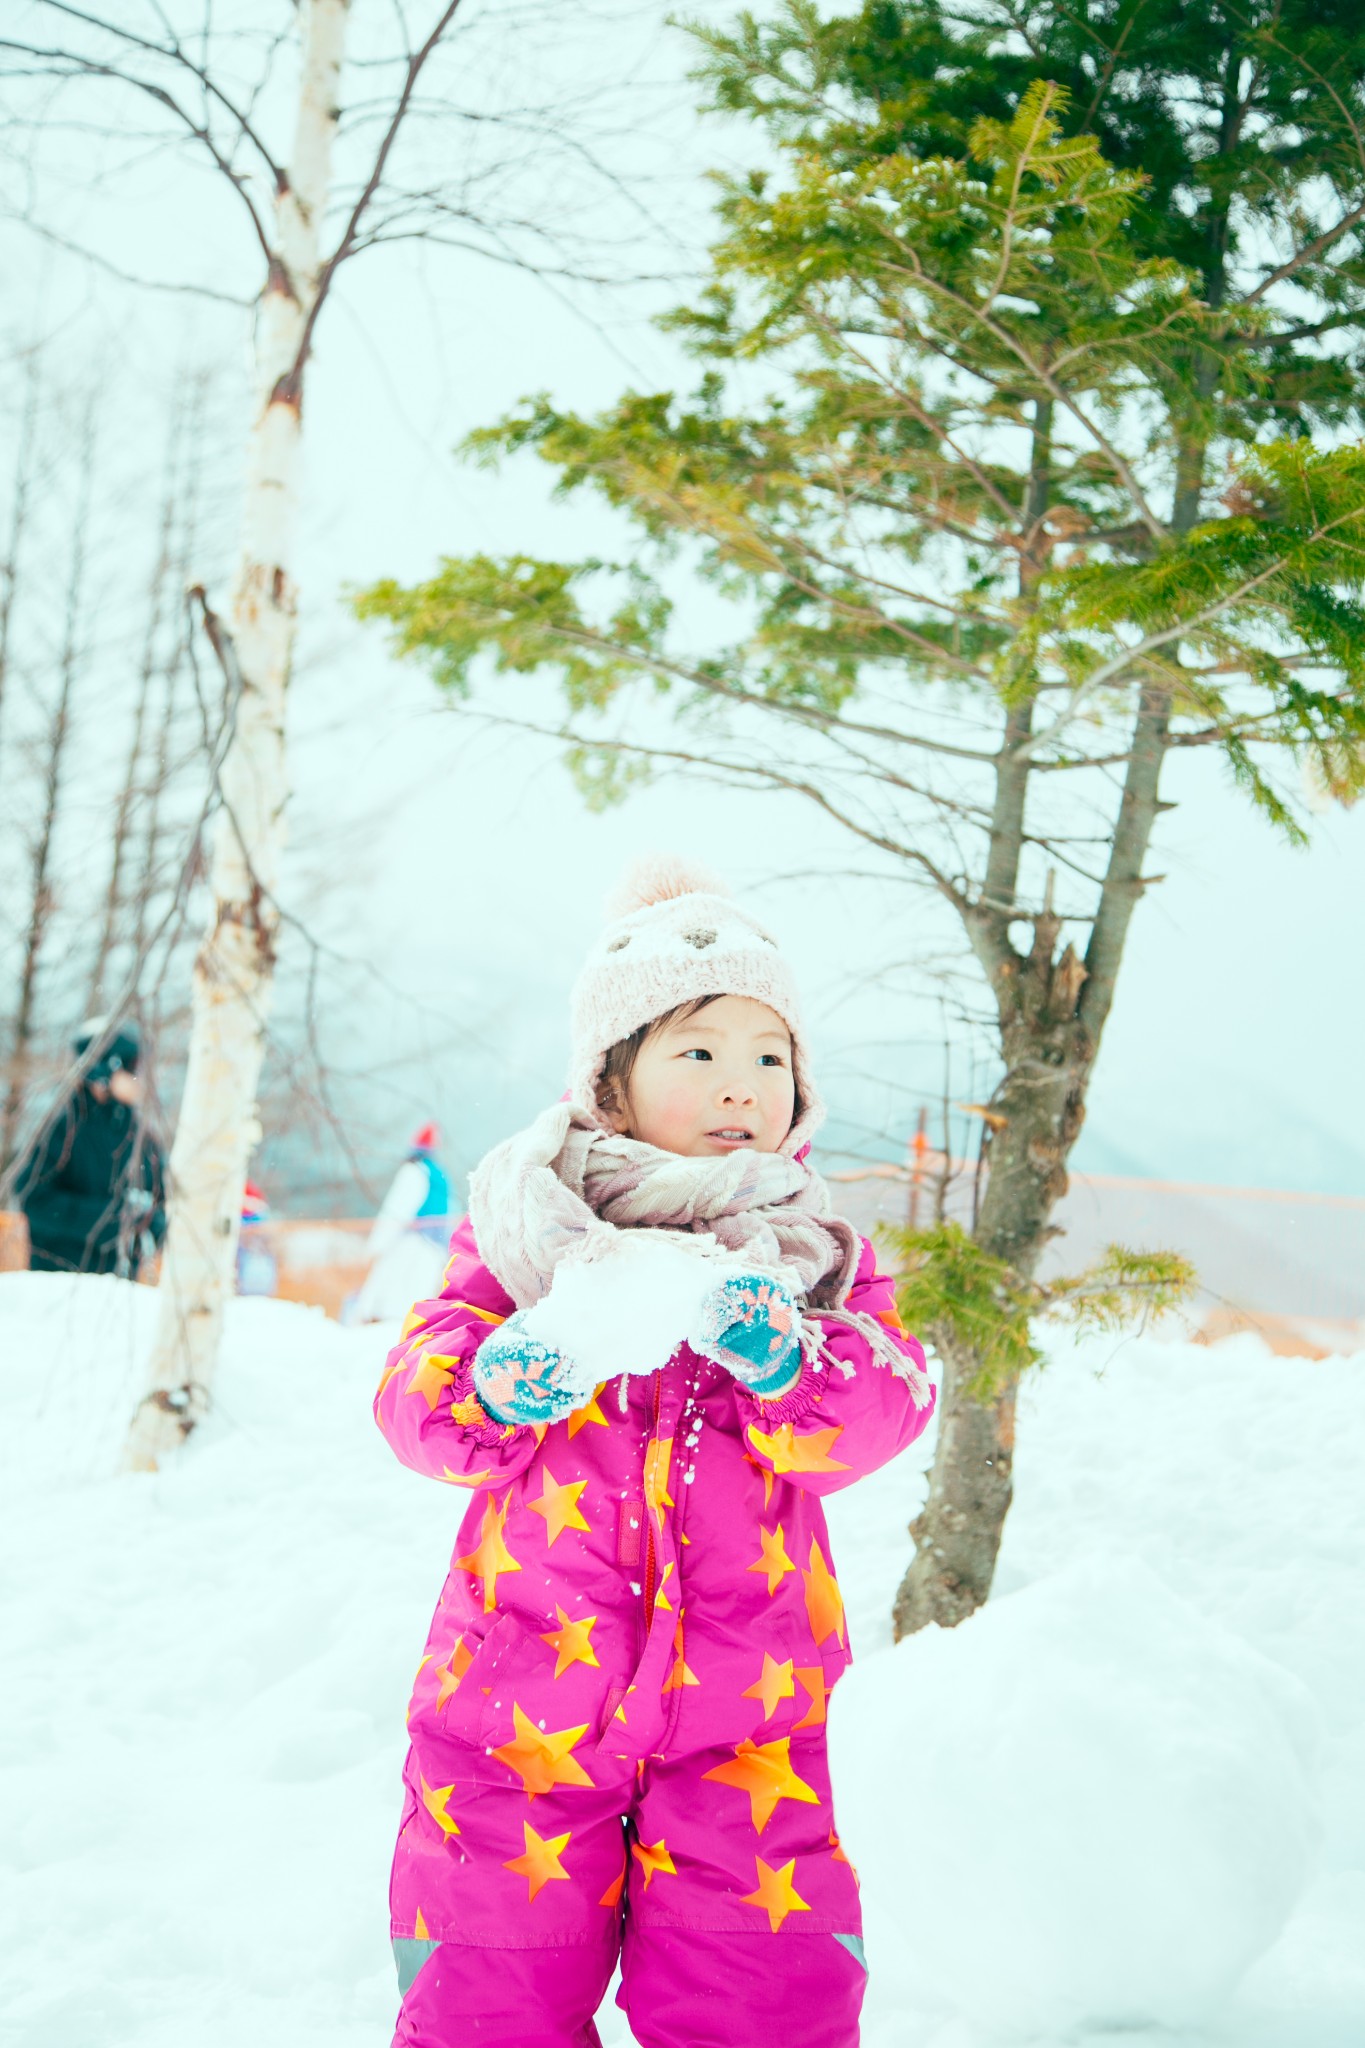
(678, 1106)
(672, 1113)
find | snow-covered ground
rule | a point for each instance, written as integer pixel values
(1141, 1768)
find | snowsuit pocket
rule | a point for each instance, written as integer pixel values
(814, 1675)
(465, 1714)
(512, 1671)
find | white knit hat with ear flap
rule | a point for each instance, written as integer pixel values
(674, 932)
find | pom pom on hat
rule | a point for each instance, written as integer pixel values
(660, 878)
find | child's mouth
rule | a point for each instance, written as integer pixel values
(733, 1134)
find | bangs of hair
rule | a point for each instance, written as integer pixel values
(619, 1062)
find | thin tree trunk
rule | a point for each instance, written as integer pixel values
(1053, 1015)
(160, 768)
(1052, 1018)
(957, 1534)
(129, 789)
(1052, 1010)
(1042, 1100)
(59, 732)
(235, 966)
(23, 481)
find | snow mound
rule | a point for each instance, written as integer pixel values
(199, 1748)
(1105, 1810)
(205, 1669)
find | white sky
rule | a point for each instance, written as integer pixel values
(465, 869)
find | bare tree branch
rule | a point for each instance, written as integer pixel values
(293, 382)
(69, 66)
(175, 52)
(150, 284)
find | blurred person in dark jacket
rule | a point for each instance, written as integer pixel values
(93, 1182)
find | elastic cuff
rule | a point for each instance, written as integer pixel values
(796, 1400)
(481, 1423)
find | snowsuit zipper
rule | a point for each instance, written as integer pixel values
(651, 1562)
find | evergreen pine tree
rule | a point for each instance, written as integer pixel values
(1061, 312)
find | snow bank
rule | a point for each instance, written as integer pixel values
(201, 1724)
(1107, 1802)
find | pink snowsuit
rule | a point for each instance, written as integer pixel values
(619, 1722)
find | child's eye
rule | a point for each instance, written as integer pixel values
(696, 1052)
(771, 1059)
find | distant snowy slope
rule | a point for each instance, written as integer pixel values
(201, 1725)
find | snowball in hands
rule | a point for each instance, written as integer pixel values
(626, 1312)
(623, 1312)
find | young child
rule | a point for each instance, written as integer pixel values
(655, 1349)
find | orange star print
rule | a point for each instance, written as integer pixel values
(773, 1558)
(470, 1413)
(542, 1759)
(430, 1378)
(679, 1675)
(470, 1479)
(792, 1453)
(435, 1799)
(559, 1505)
(763, 1770)
(658, 1458)
(773, 1684)
(570, 1641)
(767, 1476)
(654, 1859)
(776, 1893)
(492, 1556)
(811, 1679)
(824, 1601)
(540, 1863)
(591, 1411)
(452, 1671)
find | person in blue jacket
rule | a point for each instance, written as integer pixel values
(410, 1236)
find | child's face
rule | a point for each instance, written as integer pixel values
(719, 1081)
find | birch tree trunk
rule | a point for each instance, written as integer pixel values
(234, 969)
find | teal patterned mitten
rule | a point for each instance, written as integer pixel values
(750, 1325)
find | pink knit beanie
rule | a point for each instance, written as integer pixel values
(674, 932)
